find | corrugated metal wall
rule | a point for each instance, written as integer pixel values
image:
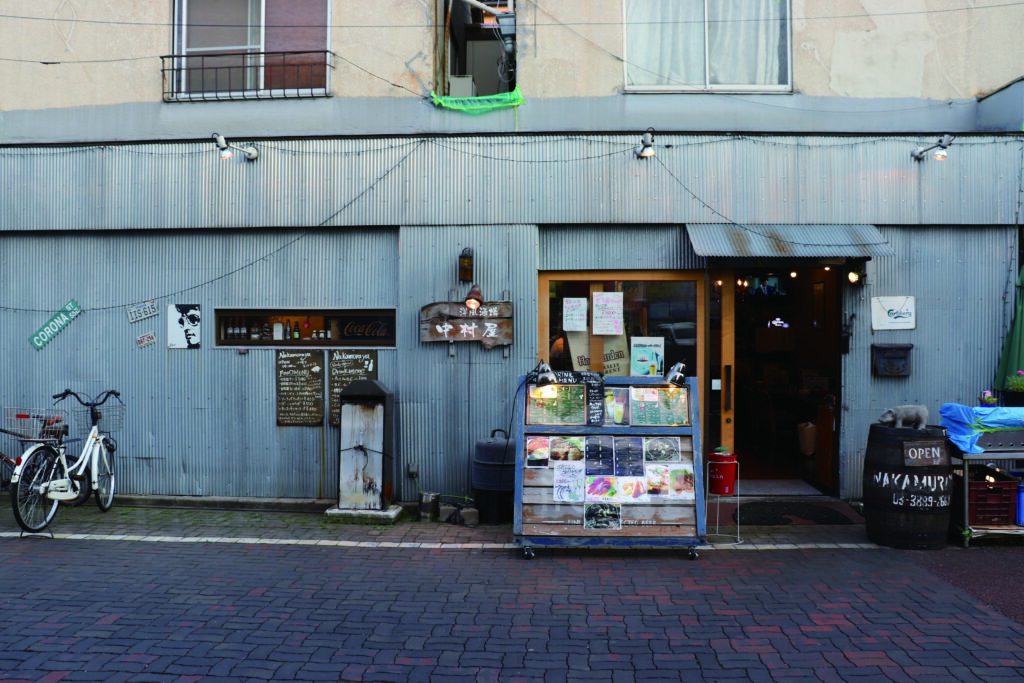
(199, 422)
(203, 422)
(612, 247)
(454, 395)
(963, 283)
(529, 179)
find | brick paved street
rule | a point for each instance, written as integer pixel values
(294, 607)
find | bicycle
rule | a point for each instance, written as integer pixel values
(43, 476)
(21, 424)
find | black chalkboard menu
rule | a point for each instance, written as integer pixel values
(300, 388)
(344, 367)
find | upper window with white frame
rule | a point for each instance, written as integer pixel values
(708, 45)
(242, 49)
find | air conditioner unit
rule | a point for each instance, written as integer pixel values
(461, 86)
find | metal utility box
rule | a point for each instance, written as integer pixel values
(891, 360)
(366, 446)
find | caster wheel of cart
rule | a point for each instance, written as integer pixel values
(528, 553)
(694, 554)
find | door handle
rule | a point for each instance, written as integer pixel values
(728, 387)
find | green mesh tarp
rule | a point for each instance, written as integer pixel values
(481, 104)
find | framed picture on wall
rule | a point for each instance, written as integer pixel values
(183, 326)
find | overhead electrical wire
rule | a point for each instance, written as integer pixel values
(625, 149)
(244, 266)
(819, 17)
(747, 228)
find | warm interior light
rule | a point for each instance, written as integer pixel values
(793, 274)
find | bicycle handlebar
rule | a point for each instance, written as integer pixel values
(88, 404)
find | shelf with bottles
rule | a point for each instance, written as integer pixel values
(304, 327)
(273, 329)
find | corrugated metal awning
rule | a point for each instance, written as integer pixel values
(731, 239)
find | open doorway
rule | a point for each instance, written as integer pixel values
(787, 373)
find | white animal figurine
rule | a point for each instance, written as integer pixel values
(905, 416)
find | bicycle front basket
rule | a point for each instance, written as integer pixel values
(111, 417)
(33, 424)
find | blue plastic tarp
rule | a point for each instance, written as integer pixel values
(964, 424)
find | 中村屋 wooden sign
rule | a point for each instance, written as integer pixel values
(453, 321)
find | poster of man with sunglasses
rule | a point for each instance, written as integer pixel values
(183, 326)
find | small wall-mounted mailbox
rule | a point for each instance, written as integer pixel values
(366, 447)
(891, 360)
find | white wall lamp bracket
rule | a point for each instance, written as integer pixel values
(227, 150)
(940, 147)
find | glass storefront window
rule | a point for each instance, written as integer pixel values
(658, 326)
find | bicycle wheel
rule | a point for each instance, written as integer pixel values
(32, 510)
(6, 469)
(104, 478)
(83, 479)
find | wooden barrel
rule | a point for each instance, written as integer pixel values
(908, 486)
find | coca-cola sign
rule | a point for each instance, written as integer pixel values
(366, 328)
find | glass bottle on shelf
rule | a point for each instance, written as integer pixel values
(233, 329)
(266, 332)
(295, 330)
(254, 331)
(288, 330)
(243, 330)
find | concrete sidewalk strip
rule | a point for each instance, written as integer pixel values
(313, 528)
(378, 545)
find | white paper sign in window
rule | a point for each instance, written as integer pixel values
(574, 314)
(608, 313)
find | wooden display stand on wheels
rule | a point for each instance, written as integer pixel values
(609, 462)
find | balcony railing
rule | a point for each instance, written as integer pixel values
(208, 76)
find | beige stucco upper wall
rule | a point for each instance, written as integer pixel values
(108, 51)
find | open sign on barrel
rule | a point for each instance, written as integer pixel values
(924, 453)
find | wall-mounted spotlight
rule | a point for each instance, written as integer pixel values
(941, 150)
(542, 375)
(857, 275)
(677, 375)
(507, 31)
(474, 298)
(646, 148)
(227, 150)
(466, 265)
